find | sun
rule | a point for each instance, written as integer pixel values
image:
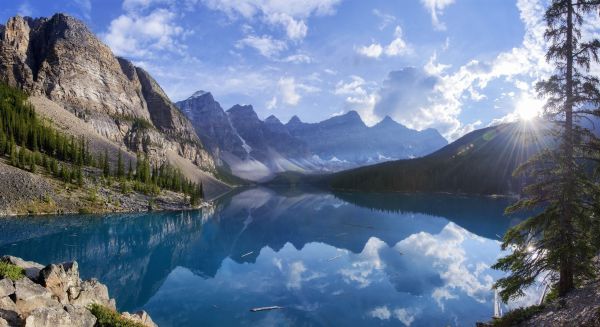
(528, 108)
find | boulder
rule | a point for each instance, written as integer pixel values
(60, 278)
(32, 269)
(140, 317)
(91, 291)
(3, 323)
(7, 287)
(30, 296)
(8, 312)
(80, 316)
(49, 317)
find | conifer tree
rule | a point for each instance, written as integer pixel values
(105, 164)
(559, 240)
(120, 166)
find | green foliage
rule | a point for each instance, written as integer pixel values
(10, 271)
(110, 318)
(480, 162)
(562, 239)
(515, 317)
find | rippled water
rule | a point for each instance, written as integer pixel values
(342, 259)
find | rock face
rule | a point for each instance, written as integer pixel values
(60, 59)
(256, 149)
(55, 297)
(212, 124)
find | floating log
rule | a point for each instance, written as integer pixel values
(336, 257)
(275, 307)
(247, 254)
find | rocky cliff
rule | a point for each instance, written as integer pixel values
(60, 59)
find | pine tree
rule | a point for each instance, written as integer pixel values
(105, 164)
(120, 166)
(559, 240)
(130, 171)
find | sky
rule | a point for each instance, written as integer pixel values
(453, 65)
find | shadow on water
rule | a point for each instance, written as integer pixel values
(135, 253)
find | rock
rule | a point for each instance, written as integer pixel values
(30, 296)
(3, 323)
(50, 317)
(91, 291)
(60, 278)
(32, 269)
(8, 312)
(141, 317)
(7, 287)
(81, 316)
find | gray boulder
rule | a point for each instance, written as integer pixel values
(81, 317)
(91, 291)
(32, 269)
(8, 312)
(7, 287)
(60, 278)
(49, 317)
(30, 296)
(141, 317)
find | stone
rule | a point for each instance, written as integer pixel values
(30, 296)
(8, 312)
(80, 316)
(49, 317)
(32, 269)
(60, 278)
(141, 317)
(3, 323)
(92, 291)
(7, 287)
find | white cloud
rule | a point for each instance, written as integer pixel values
(295, 275)
(360, 97)
(385, 19)
(289, 14)
(295, 29)
(85, 6)
(449, 256)
(436, 8)
(372, 51)
(287, 88)
(137, 35)
(299, 58)
(397, 47)
(382, 313)
(405, 316)
(265, 45)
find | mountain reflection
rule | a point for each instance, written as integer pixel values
(269, 244)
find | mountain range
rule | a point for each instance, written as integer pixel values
(258, 149)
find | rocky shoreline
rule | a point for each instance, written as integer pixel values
(55, 296)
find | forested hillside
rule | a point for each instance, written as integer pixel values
(481, 162)
(32, 144)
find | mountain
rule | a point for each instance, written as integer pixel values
(481, 162)
(346, 138)
(257, 150)
(75, 81)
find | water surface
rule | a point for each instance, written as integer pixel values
(344, 259)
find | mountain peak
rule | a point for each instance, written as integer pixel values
(294, 120)
(199, 93)
(272, 120)
(350, 118)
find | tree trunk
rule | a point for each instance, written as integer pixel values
(566, 282)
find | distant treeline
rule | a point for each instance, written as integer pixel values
(30, 142)
(481, 162)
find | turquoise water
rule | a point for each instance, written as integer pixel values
(341, 259)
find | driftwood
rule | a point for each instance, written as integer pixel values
(275, 307)
(247, 254)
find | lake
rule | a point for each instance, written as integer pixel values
(329, 259)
